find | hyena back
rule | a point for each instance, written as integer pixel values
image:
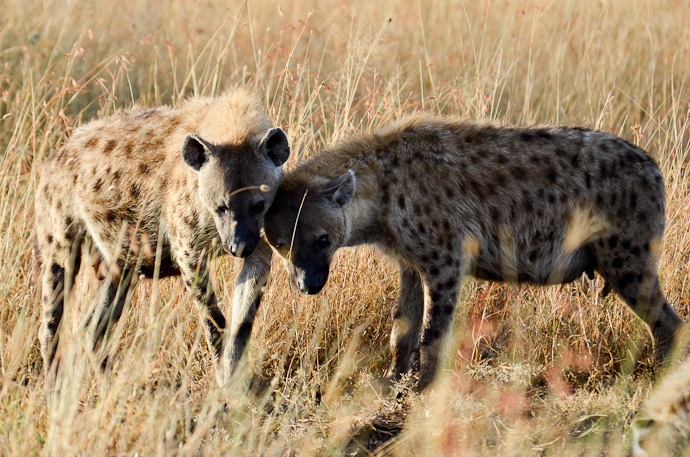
(153, 191)
(447, 198)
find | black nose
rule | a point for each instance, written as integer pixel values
(239, 249)
(310, 287)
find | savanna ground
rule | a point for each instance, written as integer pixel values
(528, 371)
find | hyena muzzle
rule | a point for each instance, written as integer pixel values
(161, 192)
(448, 198)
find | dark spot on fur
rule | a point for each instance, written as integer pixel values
(450, 283)
(134, 190)
(500, 159)
(111, 216)
(421, 228)
(613, 242)
(626, 280)
(91, 143)
(626, 245)
(191, 219)
(518, 171)
(551, 175)
(544, 134)
(633, 199)
(128, 148)
(58, 205)
(622, 212)
(109, 146)
(68, 221)
(527, 205)
(635, 251)
(75, 178)
(55, 269)
(433, 271)
(98, 184)
(617, 263)
(49, 239)
(527, 136)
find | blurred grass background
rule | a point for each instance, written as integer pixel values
(529, 371)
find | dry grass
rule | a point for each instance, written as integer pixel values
(528, 371)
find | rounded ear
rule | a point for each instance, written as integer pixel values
(275, 146)
(196, 150)
(341, 190)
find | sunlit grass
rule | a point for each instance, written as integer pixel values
(528, 371)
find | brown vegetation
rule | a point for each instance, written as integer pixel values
(528, 371)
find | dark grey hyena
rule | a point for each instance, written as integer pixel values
(162, 185)
(448, 198)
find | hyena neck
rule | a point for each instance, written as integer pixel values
(363, 213)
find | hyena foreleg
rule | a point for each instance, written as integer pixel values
(407, 322)
(198, 283)
(115, 292)
(440, 296)
(246, 299)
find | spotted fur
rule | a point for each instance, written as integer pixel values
(448, 198)
(161, 192)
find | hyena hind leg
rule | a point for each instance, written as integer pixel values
(631, 270)
(60, 264)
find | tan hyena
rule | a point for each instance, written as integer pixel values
(663, 426)
(162, 185)
(448, 198)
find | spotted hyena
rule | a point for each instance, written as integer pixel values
(447, 198)
(161, 192)
(663, 425)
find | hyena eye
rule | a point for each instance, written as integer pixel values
(256, 209)
(323, 242)
(222, 210)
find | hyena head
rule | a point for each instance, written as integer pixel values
(306, 225)
(237, 184)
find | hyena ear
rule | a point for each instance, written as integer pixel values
(341, 189)
(275, 146)
(196, 150)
